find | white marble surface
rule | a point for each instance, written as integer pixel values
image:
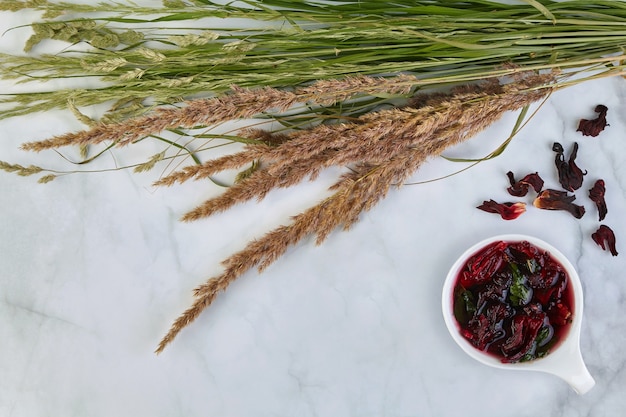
(93, 269)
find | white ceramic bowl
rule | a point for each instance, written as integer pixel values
(565, 361)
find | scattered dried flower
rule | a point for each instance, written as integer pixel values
(605, 238)
(520, 188)
(508, 211)
(558, 200)
(570, 175)
(595, 126)
(596, 194)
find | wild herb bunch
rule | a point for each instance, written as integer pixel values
(147, 55)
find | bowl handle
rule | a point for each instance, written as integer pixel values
(575, 374)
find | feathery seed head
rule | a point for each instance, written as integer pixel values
(108, 65)
(151, 54)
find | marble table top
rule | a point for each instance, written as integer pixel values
(94, 268)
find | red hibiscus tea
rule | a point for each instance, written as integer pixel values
(513, 300)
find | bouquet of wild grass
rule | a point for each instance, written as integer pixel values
(373, 87)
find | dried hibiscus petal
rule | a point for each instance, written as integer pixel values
(547, 295)
(570, 175)
(605, 238)
(558, 200)
(595, 126)
(523, 253)
(482, 267)
(596, 194)
(559, 314)
(485, 328)
(481, 332)
(524, 331)
(508, 211)
(546, 278)
(520, 188)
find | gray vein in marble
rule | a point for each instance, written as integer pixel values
(600, 397)
(172, 222)
(426, 396)
(389, 402)
(560, 117)
(344, 301)
(303, 386)
(615, 166)
(40, 313)
(32, 365)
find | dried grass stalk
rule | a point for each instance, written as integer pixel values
(240, 104)
(224, 163)
(383, 149)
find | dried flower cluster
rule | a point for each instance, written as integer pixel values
(570, 176)
(382, 149)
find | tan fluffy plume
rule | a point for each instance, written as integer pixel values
(240, 104)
